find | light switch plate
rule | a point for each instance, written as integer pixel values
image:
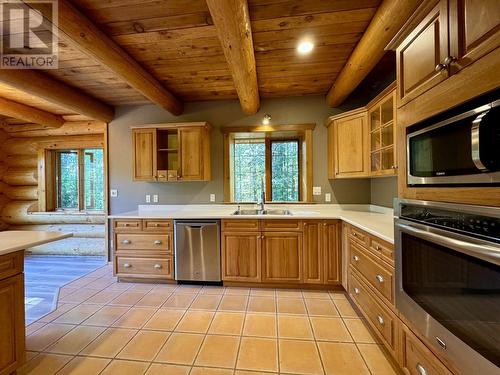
(328, 197)
(148, 198)
(113, 193)
(212, 197)
(316, 190)
(155, 198)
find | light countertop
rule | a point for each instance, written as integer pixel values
(14, 240)
(375, 220)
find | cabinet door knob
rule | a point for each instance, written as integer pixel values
(354, 234)
(126, 242)
(127, 224)
(157, 242)
(380, 320)
(156, 225)
(356, 290)
(440, 67)
(157, 266)
(355, 258)
(449, 59)
(324, 224)
(126, 265)
(380, 278)
(421, 369)
(377, 247)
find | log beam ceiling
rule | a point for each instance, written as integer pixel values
(78, 30)
(44, 87)
(232, 22)
(20, 111)
(389, 18)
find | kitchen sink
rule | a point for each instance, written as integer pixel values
(262, 212)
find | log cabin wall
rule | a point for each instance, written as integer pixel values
(19, 179)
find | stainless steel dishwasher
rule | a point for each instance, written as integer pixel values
(197, 250)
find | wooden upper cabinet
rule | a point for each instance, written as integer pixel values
(241, 253)
(144, 154)
(348, 145)
(282, 257)
(313, 252)
(172, 152)
(474, 30)
(191, 149)
(421, 55)
(382, 128)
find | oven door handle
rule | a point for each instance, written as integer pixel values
(483, 251)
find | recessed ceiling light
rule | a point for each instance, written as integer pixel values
(266, 120)
(305, 47)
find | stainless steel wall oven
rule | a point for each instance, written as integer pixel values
(448, 279)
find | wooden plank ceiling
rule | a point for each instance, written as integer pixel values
(177, 42)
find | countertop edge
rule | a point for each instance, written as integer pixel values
(24, 246)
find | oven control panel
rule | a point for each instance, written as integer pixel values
(478, 225)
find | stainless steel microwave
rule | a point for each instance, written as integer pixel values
(460, 150)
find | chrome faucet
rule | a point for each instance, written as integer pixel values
(263, 194)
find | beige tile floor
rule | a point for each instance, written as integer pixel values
(105, 327)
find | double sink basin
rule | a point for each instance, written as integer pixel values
(277, 212)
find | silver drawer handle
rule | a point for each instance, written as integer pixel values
(380, 320)
(157, 266)
(355, 258)
(126, 242)
(126, 265)
(157, 242)
(356, 290)
(380, 278)
(421, 369)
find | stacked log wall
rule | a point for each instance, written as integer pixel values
(19, 148)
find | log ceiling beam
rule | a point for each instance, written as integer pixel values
(232, 21)
(56, 92)
(20, 111)
(388, 19)
(78, 30)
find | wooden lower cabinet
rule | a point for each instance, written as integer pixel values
(143, 249)
(282, 257)
(11, 313)
(416, 358)
(282, 251)
(241, 256)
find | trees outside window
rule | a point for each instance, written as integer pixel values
(79, 179)
(275, 160)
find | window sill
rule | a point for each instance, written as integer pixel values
(61, 213)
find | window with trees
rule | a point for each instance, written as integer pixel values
(78, 180)
(279, 157)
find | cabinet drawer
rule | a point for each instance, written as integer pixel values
(240, 225)
(280, 225)
(161, 242)
(378, 277)
(11, 264)
(145, 267)
(382, 249)
(417, 359)
(381, 320)
(157, 225)
(123, 225)
(359, 236)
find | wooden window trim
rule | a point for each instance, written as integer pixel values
(46, 168)
(302, 131)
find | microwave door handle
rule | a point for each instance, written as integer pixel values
(483, 251)
(475, 144)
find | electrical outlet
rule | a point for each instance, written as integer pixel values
(148, 198)
(155, 198)
(316, 190)
(212, 197)
(328, 197)
(113, 193)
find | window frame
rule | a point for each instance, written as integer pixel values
(269, 169)
(47, 190)
(301, 132)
